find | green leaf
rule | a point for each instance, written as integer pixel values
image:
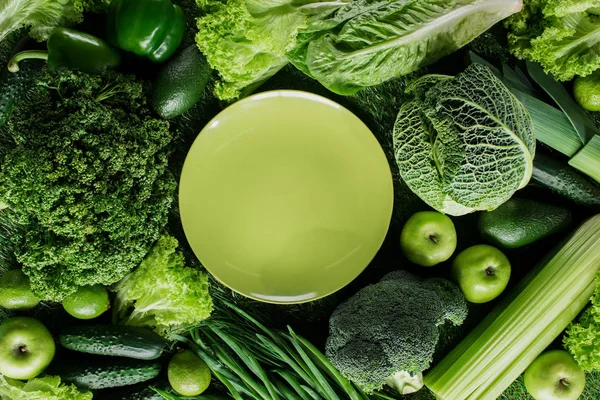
(466, 144)
(583, 124)
(392, 38)
(587, 160)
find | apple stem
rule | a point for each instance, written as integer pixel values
(434, 239)
(20, 350)
(489, 271)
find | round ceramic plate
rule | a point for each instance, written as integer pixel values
(285, 197)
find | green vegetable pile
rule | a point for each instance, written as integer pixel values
(87, 174)
(345, 45)
(89, 217)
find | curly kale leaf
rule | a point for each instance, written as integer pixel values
(464, 143)
(88, 172)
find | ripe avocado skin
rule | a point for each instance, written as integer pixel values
(181, 83)
(519, 222)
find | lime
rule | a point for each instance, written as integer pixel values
(188, 374)
(15, 291)
(87, 302)
(586, 91)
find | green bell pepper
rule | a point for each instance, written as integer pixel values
(149, 28)
(71, 49)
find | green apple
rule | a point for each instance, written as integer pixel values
(428, 238)
(554, 375)
(26, 348)
(482, 272)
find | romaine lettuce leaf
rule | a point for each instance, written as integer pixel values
(379, 40)
(464, 143)
(42, 16)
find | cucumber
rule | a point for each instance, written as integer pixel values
(519, 222)
(141, 391)
(563, 180)
(113, 340)
(181, 83)
(91, 373)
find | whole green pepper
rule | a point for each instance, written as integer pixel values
(71, 49)
(149, 28)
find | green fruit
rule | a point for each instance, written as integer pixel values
(586, 91)
(180, 84)
(554, 375)
(519, 222)
(428, 238)
(26, 348)
(87, 302)
(482, 272)
(15, 291)
(188, 374)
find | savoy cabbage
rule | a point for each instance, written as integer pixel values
(464, 143)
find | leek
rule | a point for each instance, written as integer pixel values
(587, 160)
(518, 329)
(568, 130)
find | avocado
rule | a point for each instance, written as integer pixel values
(180, 83)
(519, 222)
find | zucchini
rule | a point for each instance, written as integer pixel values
(563, 180)
(113, 340)
(106, 372)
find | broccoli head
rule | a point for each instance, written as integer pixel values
(389, 330)
(87, 173)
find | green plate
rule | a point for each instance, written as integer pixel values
(285, 197)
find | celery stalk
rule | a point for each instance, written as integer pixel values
(514, 326)
(587, 160)
(492, 389)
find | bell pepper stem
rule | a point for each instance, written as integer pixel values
(13, 64)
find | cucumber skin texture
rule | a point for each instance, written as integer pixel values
(181, 83)
(563, 180)
(108, 372)
(520, 222)
(141, 391)
(113, 340)
(13, 85)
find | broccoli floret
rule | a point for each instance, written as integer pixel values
(391, 327)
